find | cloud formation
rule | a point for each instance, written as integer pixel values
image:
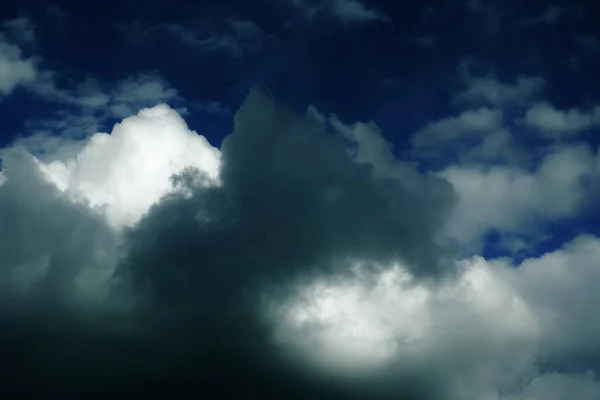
(140, 261)
(232, 244)
(15, 68)
(487, 89)
(346, 11)
(515, 200)
(551, 123)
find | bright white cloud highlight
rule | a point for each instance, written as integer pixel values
(478, 321)
(129, 170)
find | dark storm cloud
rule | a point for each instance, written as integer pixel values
(187, 308)
(292, 205)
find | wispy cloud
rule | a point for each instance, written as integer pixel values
(488, 89)
(235, 37)
(21, 30)
(590, 43)
(552, 123)
(347, 11)
(16, 69)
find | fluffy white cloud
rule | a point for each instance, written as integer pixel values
(511, 199)
(357, 324)
(129, 170)
(562, 288)
(552, 123)
(500, 323)
(89, 108)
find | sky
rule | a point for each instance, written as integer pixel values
(303, 199)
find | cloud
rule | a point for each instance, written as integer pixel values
(487, 13)
(560, 287)
(88, 107)
(346, 11)
(51, 248)
(355, 10)
(235, 37)
(488, 89)
(590, 43)
(557, 386)
(21, 30)
(205, 257)
(425, 42)
(15, 69)
(140, 91)
(290, 262)
(513, 199)
(414, 327)
(496, 331)
(106, 171)
(549, 16)
(57, 13)
(469, 123)
(551, 123)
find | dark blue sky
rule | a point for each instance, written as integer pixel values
(359, 70)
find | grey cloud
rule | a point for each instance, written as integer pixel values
(265, 176)
(346, 11)
(202, 266)
(510, 199)
(21, 30)
(487, 12)
(488, 89)
(473, 136)
(549, 16)
(185, 301)
(355, 10)
(469, 123)
(562, 287)
(588, 42)
(555, 124)
(15, 69)
(235, 37)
